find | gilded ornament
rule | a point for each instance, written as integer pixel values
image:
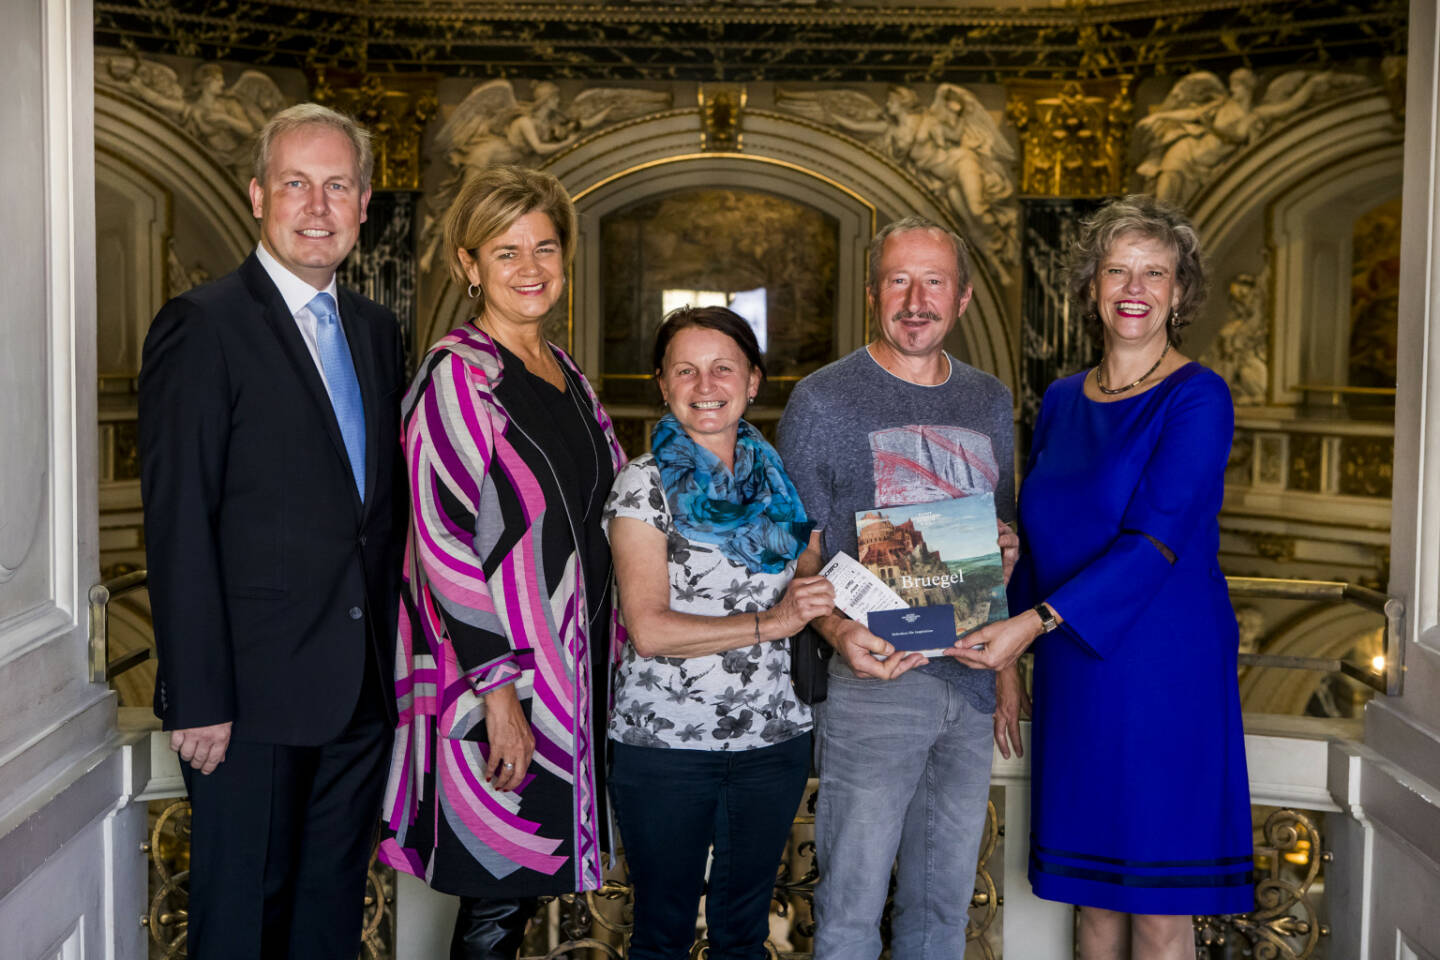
(1367, 466)
(1270, 546)
(1073, 135)
(769, 40)
(1307, 462)
(394, 109)
(1285, 924)
(722, 112)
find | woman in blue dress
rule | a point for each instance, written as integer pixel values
(1140, 801)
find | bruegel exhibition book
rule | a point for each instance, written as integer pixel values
(938, 557)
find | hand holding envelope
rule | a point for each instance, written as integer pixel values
(864, 597)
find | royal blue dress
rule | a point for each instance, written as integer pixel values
(1140, 801)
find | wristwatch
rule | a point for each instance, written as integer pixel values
(1047, 616)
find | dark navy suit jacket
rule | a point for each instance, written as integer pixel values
(268, 575)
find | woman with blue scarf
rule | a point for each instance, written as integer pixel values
(710, 745)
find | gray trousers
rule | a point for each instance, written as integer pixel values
(904, 770)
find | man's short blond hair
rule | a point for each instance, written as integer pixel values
(313, 114)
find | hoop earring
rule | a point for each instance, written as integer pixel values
(473, 290)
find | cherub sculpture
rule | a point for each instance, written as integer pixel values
(225, 120)
(491, 126)
(1240, 353)
(1202, 122)
(951, 145)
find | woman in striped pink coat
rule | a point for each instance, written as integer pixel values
(496, 785)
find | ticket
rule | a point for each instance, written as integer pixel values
(857, 590)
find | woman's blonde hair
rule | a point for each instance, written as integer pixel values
(492, 200)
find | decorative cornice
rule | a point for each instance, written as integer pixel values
(720, 41)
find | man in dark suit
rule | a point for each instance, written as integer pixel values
(274, 509)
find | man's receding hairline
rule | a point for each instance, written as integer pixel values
(306, 125)
(933, 231)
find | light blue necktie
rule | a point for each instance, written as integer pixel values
(340, 378)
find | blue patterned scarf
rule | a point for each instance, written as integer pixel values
(752, 514)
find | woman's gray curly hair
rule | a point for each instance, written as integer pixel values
(1142, 214)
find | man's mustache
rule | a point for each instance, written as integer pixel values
(922, 314)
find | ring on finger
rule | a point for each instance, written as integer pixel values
(509, 765)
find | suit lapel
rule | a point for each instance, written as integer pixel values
(282, 324)
(362, 355)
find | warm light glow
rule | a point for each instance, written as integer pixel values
(1377, 664)
(674, 299)
(749, 304)
(1300, 855)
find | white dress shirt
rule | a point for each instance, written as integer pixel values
(297, 295)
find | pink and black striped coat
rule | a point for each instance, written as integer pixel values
(478, 611)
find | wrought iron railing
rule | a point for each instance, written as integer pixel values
(1389, 680)
(102, 668)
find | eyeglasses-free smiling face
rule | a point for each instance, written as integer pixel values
(919, 296)
(310, 207)
(522, 270)
(707, 382)
(1135, 288)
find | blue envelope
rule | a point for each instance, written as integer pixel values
(926, 629)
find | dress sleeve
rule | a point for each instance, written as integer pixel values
(637, 494)
(800, 440)
(1179, 492)
(450, 444)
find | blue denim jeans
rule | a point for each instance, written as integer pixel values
(904, 769)
(671, 805)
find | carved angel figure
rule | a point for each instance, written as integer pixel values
(1241, 351)
(228, 120)
(952, 145)
(224, 120)
(147, 81)
(491, 126)
(1202, 122)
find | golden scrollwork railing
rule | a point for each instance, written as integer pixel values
(1390, 681)
(1285, 924)
(168, 916)
(1290, 858)
(603, 919)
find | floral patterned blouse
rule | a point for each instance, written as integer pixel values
(737, 700)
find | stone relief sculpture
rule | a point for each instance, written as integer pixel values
(178, 277)
(1251, 624)
(491, 126)
(951, 144)
(1202, 121)
(227, 119)
(224, 119)
(1241, 351)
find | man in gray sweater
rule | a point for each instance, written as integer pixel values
(904, 743)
